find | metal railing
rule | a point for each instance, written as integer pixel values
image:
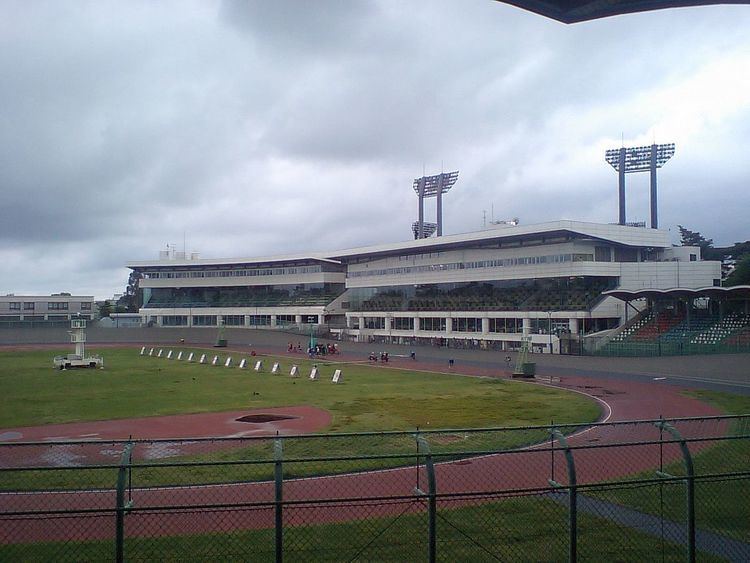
(676, 489)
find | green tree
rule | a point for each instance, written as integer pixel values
(105, 310)
(741, 273)
(133, 298)
(694, 238)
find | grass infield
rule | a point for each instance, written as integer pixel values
(370, 398)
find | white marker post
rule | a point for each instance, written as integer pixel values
(228, 363)
(259, 365)
(314, 374)
(159, 354)
(151, 352)
(215, 360)
(336, 376)
(179, 355)
(275, 368)
(169, 355)
(203, 359)
(190, 357)
(242, 363)
(294, 372)
(143, 351)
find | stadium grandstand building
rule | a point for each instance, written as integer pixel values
(489, 288)
(41, 310)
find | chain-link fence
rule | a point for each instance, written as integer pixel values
(667, 490)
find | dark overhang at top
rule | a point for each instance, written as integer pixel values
(574, 11)
(723, 293)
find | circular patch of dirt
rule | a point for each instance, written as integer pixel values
(261, 418)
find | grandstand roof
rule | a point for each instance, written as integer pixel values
(573, 11)
(724, 293)
(618, 234)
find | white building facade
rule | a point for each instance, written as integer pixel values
(490, 288)
(45, 308)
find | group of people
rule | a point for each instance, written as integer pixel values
(322, 350)
(383, 357)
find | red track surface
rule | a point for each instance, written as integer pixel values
(526, 469)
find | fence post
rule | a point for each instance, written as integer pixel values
(278, 475)
(689, 486)
(572, 495)
(121, 506)
(431, 500)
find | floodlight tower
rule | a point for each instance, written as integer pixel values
(639, 159)
(433, 186)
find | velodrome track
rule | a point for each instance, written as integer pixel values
(627, 396)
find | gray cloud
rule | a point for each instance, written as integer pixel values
(256, 128)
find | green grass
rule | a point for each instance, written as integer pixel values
(519, 528)
(722, 506)
(369, 399)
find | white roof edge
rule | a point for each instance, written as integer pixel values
(220, 261)
(46, 296)
(621, 234)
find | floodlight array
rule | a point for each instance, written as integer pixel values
(638, 159)
(439, 182)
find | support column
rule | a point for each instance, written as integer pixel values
(573, 325)
(388, 323)
(273, 321)
(440, 206)
(298, 319)
(361, 323)
(654, 219)
(448, 325)
(621, 185)
(321, 319)
(526, 326)
(486, 325)
(420, 229)
(416, 324)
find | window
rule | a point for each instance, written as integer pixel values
(693, 257)
(14, 306)
(259, 320)
(402, 323)
(467, 325)
(86, 306)
(234, 320)
(204, 320)
(375, 322)
(434, 324)
(57, 306)
(28, 306)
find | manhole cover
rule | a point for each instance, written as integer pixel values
(260, 418)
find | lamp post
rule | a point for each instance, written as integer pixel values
(549, 329)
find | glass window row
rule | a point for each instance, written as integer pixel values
(233, 273)
(498, 263)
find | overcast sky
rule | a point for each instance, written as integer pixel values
(256, 128)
